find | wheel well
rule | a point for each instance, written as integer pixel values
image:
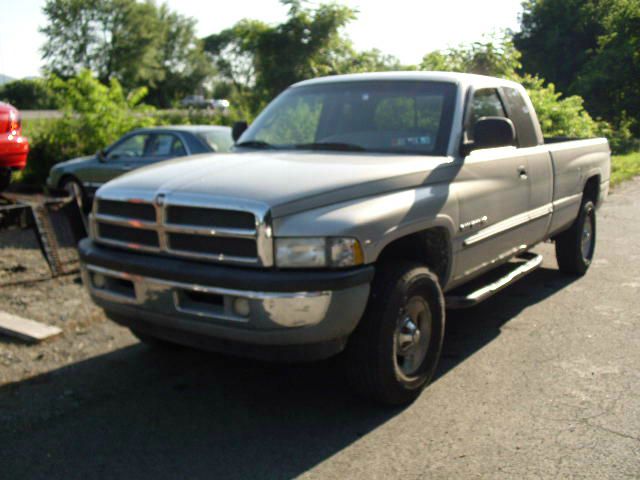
(430, 247)
(67, 176)
(592, 189)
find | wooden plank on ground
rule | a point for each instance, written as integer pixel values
(24, 329)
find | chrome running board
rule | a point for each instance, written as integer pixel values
(466, 300)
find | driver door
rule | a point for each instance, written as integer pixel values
(125, 155)
(492, 188)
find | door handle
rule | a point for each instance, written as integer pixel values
(522, 171)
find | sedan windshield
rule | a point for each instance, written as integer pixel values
(374, 116)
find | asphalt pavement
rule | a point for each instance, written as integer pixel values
(542, 381)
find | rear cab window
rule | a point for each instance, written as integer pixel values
(521, 117)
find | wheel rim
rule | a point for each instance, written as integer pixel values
(412, 337)
(586, 239)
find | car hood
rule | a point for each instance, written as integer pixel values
(74, 161)
(283, 182)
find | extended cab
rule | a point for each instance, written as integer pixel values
(354, 210)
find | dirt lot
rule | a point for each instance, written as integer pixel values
(542, 381)
(27, 290)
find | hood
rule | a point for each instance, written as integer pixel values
(74, 161)
(285, 182)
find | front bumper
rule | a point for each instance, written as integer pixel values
(251, 307)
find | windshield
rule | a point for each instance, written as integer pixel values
(219, 141)
(375, 116)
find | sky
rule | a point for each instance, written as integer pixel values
(407, 29)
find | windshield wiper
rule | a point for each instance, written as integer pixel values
(343, 147)
(255, 144)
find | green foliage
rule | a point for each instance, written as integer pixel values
(28, 94)
(624, 167)
(558, 115)
(609, 79)
(588, 48)
(137, 43)
(557, 37)
(262, 60)
(94, 115)
(496, 57)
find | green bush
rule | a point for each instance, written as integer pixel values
(94, 115)
(624, 167)
(29, 94)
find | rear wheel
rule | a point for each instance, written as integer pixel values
(393, 353)
(576, 246)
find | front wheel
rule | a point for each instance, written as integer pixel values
(393, 353)
(576, 246)
(75, 190)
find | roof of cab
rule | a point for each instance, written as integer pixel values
(462, 79)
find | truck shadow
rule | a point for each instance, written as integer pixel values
(139, 413)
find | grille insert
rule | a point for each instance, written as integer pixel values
(234, 247)
(132, 210)
(148, 238)
(210, 217)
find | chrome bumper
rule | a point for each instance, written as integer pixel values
(247, 316)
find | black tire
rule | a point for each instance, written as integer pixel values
(574, 257)
(153, 342)
(372, 354)
(75, 188)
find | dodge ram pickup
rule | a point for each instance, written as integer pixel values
(353, 212)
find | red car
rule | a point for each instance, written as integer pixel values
(13, 146)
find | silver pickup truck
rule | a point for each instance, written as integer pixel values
(353, 212)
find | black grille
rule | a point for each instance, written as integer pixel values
(148, 238)
(236, 247)
(210, 217)
(136, 211)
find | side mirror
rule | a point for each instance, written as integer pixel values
(491, 132)
(238, 129)
(102, 155)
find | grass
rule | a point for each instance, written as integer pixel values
(624, 167)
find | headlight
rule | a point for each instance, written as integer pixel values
(318, 252)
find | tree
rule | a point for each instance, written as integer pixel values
(137, 43)
(113, 38)
(499, 58)
(589, 48)
(184, 63)
(28, 94)
(262, 60)
(609, 80)
(495, 56)
(557, 38)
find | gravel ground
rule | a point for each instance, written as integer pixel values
(542, 381)
(26, 289)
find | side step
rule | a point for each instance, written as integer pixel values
(528, 262)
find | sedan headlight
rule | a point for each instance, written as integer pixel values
(318, 252)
